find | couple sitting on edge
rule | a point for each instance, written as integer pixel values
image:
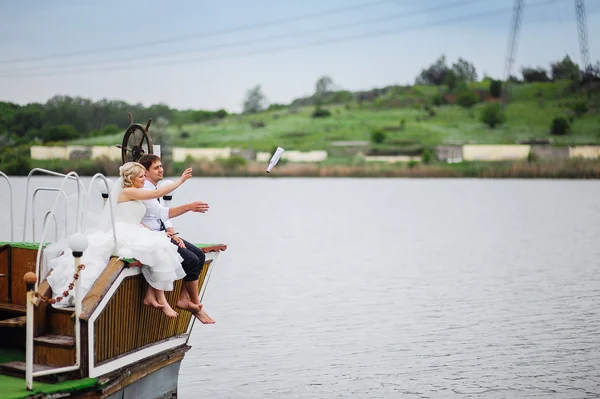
(145, 233)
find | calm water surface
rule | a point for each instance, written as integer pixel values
(385, 288)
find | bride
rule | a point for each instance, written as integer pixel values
(161, 262)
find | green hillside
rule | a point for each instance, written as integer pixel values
(407, 117)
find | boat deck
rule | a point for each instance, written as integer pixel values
(14, 387)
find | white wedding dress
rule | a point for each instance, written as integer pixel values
(162, 262)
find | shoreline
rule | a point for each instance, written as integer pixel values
(539, 169)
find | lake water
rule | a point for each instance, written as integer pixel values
(385, 288)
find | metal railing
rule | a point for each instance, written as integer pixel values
(49, 212)
(77, 254)
(70, 175)
(10, 205)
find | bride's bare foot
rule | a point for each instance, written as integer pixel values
(189, 306)
(165, 307)
(150, 299)
(203, 317)
(169, 311)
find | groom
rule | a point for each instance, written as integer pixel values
(157, 218)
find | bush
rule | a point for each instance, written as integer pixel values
(438, 100)
(496, 88)
(560, 126)
(579, 107)
(321, 113)
(492, 115)
(427, 156)
(221, 114)
(467, 98)
(257, 124)
(232, 163)
(377, 136)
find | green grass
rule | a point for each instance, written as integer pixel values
(527, 118)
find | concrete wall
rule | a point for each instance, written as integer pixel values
(391, 158)
(549, 152)
(495, 152)
(294, 156)
(585, 151)
(110, 152)
(449, 153)
(39, 152)
(210, 154)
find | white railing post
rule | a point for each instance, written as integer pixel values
(78, 243)
(10, 205)
(29, 279)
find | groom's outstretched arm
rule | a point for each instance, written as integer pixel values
(197, 206)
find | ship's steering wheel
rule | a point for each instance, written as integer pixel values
(136, 141)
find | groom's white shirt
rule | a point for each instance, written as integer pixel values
(155, 211)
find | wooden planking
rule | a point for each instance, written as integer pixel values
(44, 290)
(101, 286)
(60, 323)
(4, 269)
(53, 356)
(22, 261)
(126, 324)
(116, 328)
(13, 308)
(59, 341)
(20, 321)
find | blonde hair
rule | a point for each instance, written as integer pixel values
(129, 171)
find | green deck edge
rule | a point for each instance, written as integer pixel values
(29, 245)
(14, 387)
(130, 260)
(23, 245)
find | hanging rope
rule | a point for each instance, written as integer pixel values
(65, 293)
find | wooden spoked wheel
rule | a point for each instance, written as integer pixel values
(136, 143)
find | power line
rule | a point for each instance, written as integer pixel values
(251, 41)
(200, 35)
(285, 48)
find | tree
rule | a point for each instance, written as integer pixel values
(255, 100)
(451, 80)
(534, 75)
(560, 126)
(492, 115)
(496, 88)
(467, 99)
(465, 70)
(565, 69)
(323, 86)
(435, 74)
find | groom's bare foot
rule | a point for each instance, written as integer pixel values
(151, 301)
(203, 317)
(189, 306)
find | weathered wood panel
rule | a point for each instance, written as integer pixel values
(4, 272)
(101, 287)
(22, 261)
(126, 324)
(52, 355)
